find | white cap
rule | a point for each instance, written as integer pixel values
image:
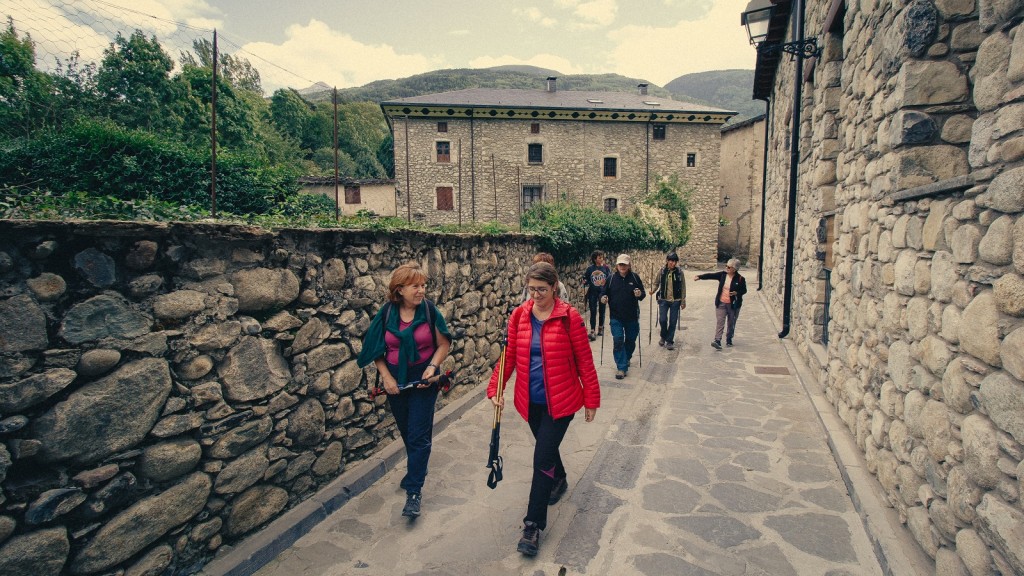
(623, 259)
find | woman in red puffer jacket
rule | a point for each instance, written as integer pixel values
(549, 349)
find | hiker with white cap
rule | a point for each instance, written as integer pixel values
(622, 292)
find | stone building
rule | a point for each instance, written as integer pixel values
(739, 232)
(375, 195)
(907, 287)
(483, 155)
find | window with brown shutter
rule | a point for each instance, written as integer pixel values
(442, 126)
(444, 151)
(658, 131)
(535, 128)
(352, 195)
(445, 198)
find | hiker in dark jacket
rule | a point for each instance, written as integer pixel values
(594, 278)
(623, 292)
(670, 291)
(407, 341)
(728, 299)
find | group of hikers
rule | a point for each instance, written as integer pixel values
(546, 344)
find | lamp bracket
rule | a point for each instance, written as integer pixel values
(806, 48)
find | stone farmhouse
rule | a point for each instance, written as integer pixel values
(482, 155)
(905, 289)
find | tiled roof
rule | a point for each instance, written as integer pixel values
(561, 99)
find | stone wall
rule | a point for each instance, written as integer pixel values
(912, 151)
(742, 177)
(166, 390)
(492, 167)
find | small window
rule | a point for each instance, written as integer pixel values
(691, 160)
(445, 198)
(611, 167)
(442, 126)
(444, 151)
(352, 195)
(532, 195)
(659, 131)
(611, 205)
(535, 154)
(535, 128)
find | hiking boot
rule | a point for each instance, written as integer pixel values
(661, 342)
(620, 374)
(728, 342)
(529, 544)
(412, 505)
(561, 485)
(592, 336)
(716, 344)
(670, 345)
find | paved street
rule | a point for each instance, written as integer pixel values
(700, 462)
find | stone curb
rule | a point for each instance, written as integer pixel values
(897, 552)
(259, 549)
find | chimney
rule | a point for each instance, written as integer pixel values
(551, 84)
(642, 88)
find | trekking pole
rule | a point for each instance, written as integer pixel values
(650, 311)
(602, 335)
(494, 461)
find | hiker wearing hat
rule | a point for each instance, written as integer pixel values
(670, 292)
(622, 292)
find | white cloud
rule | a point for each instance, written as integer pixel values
(716, 42)
(534, 14)
(549, 61)
(597, 12)
(316, 53)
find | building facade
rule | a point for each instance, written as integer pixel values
(739, 231)
(908, 271)
(372, 195)
(484, 155)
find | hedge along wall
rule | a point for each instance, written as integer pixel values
(166, 390)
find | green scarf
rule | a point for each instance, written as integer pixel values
(373, 342)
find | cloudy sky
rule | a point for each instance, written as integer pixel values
(349, 43)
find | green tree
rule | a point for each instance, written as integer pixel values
(25, 93)
(134, 83)
(235, 70)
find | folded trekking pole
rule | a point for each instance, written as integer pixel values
(494, 459)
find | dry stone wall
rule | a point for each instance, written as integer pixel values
(166, 390)
(913, 141)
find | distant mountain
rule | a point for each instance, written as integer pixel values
(522, 77)
(726, 89)
(729, 89)
(315, 89)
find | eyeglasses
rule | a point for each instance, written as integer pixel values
(538, 290)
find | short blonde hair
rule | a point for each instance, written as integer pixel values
(404, 275)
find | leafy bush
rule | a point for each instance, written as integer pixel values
(104, 159)
(669, 209)
(572, 232)
(37, 205)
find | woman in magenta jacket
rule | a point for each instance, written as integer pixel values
(555, 377)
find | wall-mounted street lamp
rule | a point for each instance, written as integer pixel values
(757, 19)
(725, 201)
